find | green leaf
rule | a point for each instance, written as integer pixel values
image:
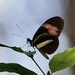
(13, 67)
(18, 49)
(62, 60)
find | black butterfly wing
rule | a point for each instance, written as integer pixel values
(54, 23)
(46, 37)
(46, 44)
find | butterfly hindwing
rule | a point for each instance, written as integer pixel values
(46, 44)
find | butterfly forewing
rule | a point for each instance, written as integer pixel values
(56, 22)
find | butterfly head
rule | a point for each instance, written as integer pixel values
(29, 41)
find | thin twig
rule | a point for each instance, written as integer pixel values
(51, 74)
(38, 66)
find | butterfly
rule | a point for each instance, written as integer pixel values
(46, 37)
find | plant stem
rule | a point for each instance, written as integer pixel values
(51, 74)
(38, 66)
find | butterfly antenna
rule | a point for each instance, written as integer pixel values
(23, 45)
(18, 35)
(21, 30)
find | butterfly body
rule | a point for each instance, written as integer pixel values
(46, 37)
